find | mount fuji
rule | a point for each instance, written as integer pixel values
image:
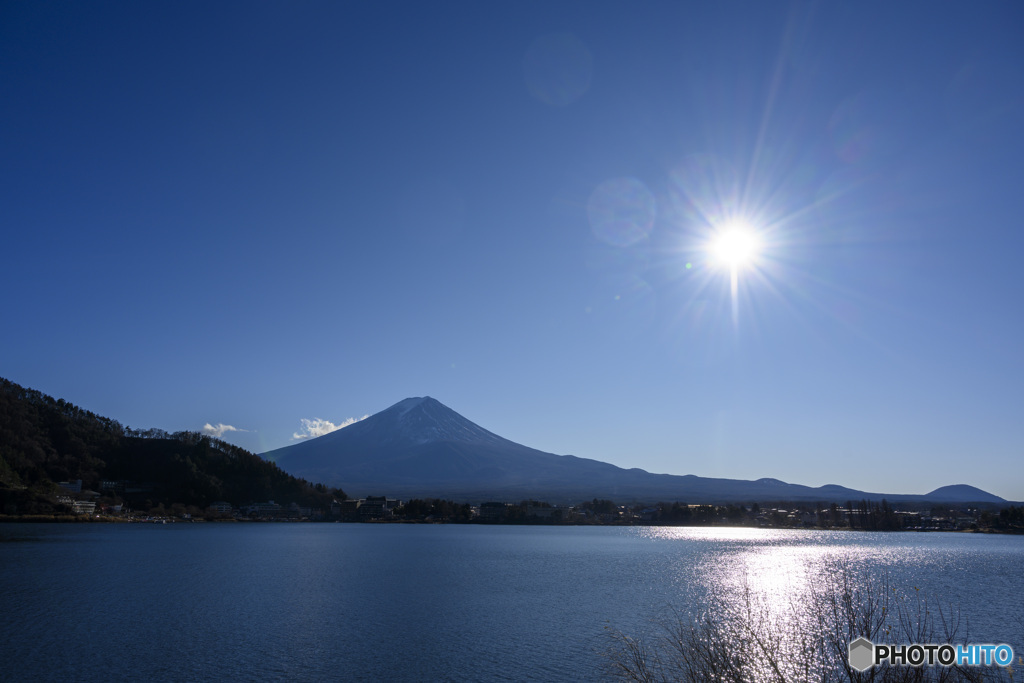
(421, 448)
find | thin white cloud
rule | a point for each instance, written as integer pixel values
(317, 427)
(219, 429)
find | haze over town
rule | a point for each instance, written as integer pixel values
(728, 239)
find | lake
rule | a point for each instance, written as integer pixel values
(309, 602)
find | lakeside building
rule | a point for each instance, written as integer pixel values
(267, 509)
(540, 512)
(113, 487)
(79, 507)
(494, 512)
(378, 507)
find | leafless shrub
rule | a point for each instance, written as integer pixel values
(744, 638)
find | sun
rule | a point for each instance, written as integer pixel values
(735, 246)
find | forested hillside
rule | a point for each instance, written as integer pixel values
(45, 440)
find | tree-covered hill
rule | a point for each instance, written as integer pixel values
(45, 440)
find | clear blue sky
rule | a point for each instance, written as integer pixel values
(252, 214)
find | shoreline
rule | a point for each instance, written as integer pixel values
(82, 519)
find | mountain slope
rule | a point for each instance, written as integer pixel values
(45, 440)
(420, 447)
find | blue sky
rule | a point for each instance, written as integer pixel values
(254, 214)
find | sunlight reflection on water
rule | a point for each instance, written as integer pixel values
(770, 594)
(780, 571)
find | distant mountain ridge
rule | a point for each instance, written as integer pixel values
(420, 447)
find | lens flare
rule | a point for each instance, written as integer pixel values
(622, 211)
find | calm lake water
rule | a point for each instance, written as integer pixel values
(310, 602)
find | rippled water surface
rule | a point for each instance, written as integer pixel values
(312, 602)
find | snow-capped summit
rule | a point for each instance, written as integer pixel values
(410, 422)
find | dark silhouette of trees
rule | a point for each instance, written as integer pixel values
(1011, 518)
(600, 507)
(433, 509)
(45, 440)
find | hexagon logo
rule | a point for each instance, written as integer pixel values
(862, 654)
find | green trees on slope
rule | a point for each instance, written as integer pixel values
(45, 440)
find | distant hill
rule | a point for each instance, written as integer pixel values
(45, 440)
(962, 493)
(420, 447)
